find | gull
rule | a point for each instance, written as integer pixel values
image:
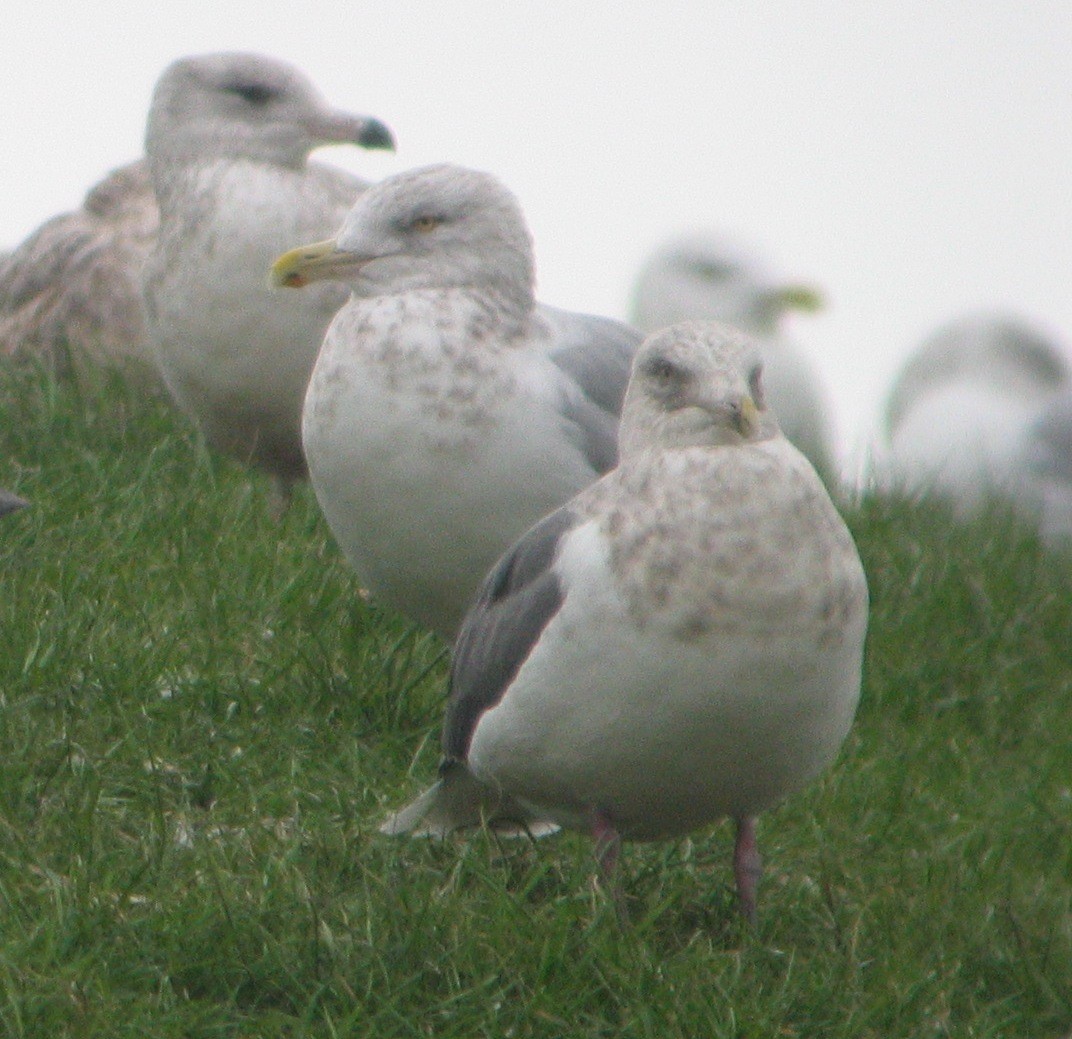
(227, 140)
(709, 276)
(10, 502)
(962, 411)
(679, 643)
(71, 292)
(448, 410)
(1045, 461)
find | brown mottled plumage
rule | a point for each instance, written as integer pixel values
(70, 294)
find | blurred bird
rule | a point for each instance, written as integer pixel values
(448, 410)
(709, 276)
(10, 502)
(681, 642)
(1046, 460)
(70, 294)
(963, 410)
(227, 140)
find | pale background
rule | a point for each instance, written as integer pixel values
(912, 159)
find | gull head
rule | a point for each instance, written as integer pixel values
(247, 106)
(695, 384)
(433, 227)
(706, 276)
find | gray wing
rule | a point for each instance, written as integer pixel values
(515, 603)
(10, 502)
(596, 353)
(1049, 448)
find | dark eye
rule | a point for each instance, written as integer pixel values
(710, 270)
(425, 223)
(664, 371)
(255, 93)
(755, 385)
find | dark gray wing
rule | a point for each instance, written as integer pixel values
(10, 502)
(1049, 449)
(597, 355)
(517, 599)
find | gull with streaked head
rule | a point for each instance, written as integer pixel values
(448, 410)
(707, 276)
(681, 642)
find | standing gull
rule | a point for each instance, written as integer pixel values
(448, 411)
(228, 141)
(681, 642)
(708, 276)
(71, 292)
(962, 409)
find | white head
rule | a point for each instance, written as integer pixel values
(247, 106)
(695, 384)
(433, 227)
(711, 277)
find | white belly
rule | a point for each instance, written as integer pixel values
(662, 733)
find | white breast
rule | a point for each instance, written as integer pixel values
(667, 729)
(427, 469)
(220, 333)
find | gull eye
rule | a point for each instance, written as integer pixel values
(426, 223)
(669, 381)
(712, 270)
(664, 371)
(255, 93)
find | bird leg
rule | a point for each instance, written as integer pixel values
(747, 867)
(608, 847)
(281, 497)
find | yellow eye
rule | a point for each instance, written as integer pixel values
(426, 223)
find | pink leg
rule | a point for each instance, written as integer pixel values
(608, 843)
(608, 846)
(747, 867)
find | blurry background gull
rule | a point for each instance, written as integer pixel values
(962, 413)
(228, 140)
(70, 294)
(1046, 461)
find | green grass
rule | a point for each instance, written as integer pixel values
(202, 723)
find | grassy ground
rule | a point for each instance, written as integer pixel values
(202, 722)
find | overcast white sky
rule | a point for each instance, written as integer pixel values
(913, 159)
